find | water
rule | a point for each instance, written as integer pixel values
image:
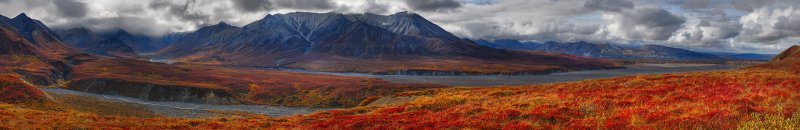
(182, 109)
(514, 80)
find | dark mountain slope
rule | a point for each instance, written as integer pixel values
(203, 37)
(139, 43)
(508, 44)
(12, 43)
(91, 42)
(168, 39)
(664, 52)
(80, 37)
(42, 37)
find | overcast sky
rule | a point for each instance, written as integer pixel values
(761, 26)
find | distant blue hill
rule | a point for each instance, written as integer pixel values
(615, 51)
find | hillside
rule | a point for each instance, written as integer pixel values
(40, 63)
(46, 41)
(13, 43)
(787, 60)
(789, 54)
(384, 44)
(21, 56)
(14, 90)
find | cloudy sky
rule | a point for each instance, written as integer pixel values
(760, 26)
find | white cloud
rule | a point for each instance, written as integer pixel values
(768, 25)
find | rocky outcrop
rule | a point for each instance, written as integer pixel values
(154, 92)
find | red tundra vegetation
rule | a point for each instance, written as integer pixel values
(13, 89)
(750, 98)
(706, 100)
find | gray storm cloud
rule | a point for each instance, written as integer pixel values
(433, 5)
(743, 24)
(265, 5)
(182, 11)
(251, 5)
(303, 4)
(645, 23)
(71, 8)
(609, 5)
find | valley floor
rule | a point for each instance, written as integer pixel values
(728, 99)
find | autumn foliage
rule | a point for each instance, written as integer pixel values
(751, 98)
(704, 100)
(13, 89)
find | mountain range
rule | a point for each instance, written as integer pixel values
(587, 49)
(371, 43)
(350, 35)
(116, 43)
(26, 65)
(401, 43)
